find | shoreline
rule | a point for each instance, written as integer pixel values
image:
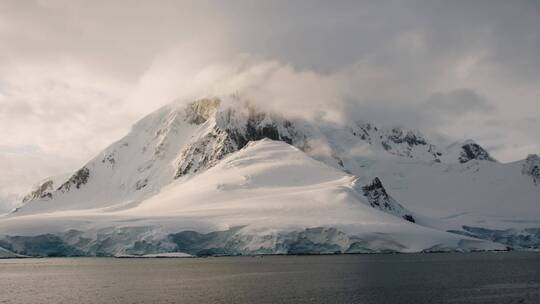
(159, 256)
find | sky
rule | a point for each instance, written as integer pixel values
(75, 75)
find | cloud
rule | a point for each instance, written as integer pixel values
(365, 90)
(59, 108)
(53, 118)
(457, 102)
(25, 165)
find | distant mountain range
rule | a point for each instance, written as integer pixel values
(221, 176)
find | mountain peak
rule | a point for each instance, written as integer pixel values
(465, 151)
(471, 150)
(200, 110)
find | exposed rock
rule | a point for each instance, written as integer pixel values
(398, 136)
(364, 131)
(78, 179)
(397, 141)
(378, 198)
(471, 150)
(531, 167)
(236, 126)
(405, 142)
(205, 152)
(409, 218)
(233, 131)
(43, 190)
(110, 159)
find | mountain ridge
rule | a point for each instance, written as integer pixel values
(387, 169)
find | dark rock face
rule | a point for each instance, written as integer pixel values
(472, 151)
(205, 152)
(78, 179)
(229, 136)
(386, 146)
(409, 218)
(531, 167)
(397, 141)
(398, 136)
(411, 139)
(377, 195)
(378, 198)
(256, 129)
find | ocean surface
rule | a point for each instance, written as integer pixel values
(512, 277)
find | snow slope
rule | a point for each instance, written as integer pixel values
(269, 197)
(477, 193)
(135, 167)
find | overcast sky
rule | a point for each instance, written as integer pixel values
(74, 75)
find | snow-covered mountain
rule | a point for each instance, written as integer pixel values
(221, 176)
(179, 141)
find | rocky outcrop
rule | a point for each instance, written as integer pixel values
(398, 136)
(531, 167)
(378, 198)
(78, 179)
(471, 150)
(43, 190)
(205, 152)
(233, 127)
(397, 141)
(232, 131)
